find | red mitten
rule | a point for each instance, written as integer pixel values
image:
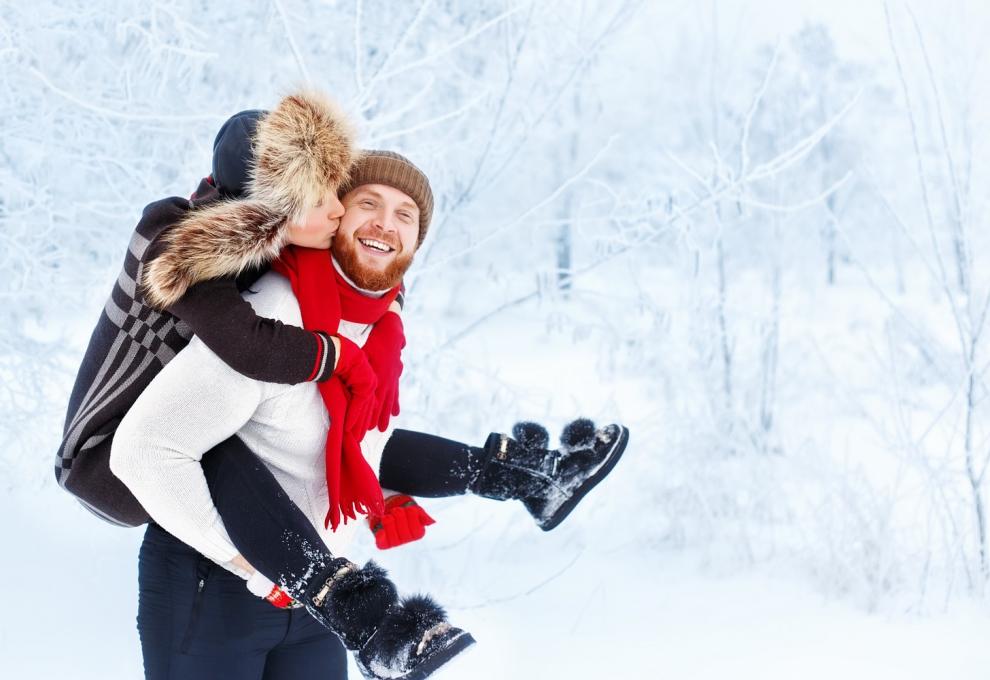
(404, 521)
(359, 378)
(384, 350)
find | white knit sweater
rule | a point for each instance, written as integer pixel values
(196, 402)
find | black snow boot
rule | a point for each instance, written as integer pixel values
(392, 639)
(550, 483)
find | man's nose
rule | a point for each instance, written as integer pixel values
(387, 222)
(381, 221)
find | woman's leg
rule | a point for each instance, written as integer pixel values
(424, 465)
(274, 535)
(550, 483)
(269, 530)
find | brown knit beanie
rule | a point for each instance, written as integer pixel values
(396, 171)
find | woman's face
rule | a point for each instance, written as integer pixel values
(320, 225)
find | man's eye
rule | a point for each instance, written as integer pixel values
(368, 204)
(406, 217)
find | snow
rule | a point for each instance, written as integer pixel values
(538, 608)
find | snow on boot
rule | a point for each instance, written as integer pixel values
(413, 642)
(351, 601)
(550, 483)
(406, 640)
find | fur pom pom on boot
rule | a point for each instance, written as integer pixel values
(413, 642)
(392, 639)
(550, 483)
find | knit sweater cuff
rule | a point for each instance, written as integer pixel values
(326, 358)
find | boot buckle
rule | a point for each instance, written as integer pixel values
(503, 447)
(321, 595)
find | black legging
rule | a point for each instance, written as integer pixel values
(277, 538)
(428, 466)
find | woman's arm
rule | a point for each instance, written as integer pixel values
(256, 347)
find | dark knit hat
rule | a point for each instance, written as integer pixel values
(396, 171)
(231, 151)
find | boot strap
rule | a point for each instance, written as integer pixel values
(321, 595)
(502, 455)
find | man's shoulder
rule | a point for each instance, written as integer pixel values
(272, 296)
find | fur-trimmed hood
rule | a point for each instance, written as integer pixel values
(303, 149)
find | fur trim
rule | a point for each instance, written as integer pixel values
(579, 433)
(359, 602)
(404, 627)
(303, 149)
(221, 239)
(531, 435)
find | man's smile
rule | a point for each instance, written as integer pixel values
(375, 247)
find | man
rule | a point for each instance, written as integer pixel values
(197, 402)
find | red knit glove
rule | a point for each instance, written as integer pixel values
(359, 378)
(404, 521)
(384, 350)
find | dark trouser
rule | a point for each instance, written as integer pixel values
(197, 621)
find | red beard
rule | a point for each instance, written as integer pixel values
(346, 253)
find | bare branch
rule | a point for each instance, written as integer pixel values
(122, 115)
(300, 62)
(754, 107)
(796, 207)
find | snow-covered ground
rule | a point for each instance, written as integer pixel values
(539, 607)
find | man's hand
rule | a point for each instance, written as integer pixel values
(404, 521)
(359, 378)
(384, 350)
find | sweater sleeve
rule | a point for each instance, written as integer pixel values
(254, 346)
(195, 403)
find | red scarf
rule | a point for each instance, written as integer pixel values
(325, 297)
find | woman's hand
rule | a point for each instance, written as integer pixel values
(384, 351)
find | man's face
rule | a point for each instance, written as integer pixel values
(321, 223)
(377, 236)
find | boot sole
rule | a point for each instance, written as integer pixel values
(459, 644)
(433, 663)
(610, 461)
